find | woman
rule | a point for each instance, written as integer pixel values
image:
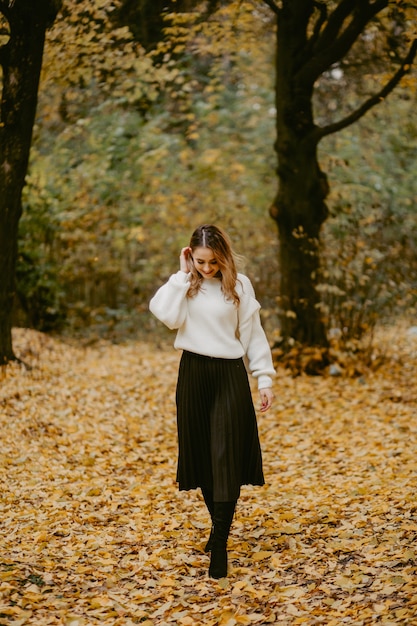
(217, 317)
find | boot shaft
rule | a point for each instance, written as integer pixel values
(222, 520)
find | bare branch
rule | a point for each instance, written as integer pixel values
(5, 8)
(322, 8)
(374, 100)
(272, 6)
(361, 14)
(333, 45)
(335, 23)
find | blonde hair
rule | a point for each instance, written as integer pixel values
(213, 237)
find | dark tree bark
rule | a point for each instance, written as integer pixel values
(309, 42)
(21, 60)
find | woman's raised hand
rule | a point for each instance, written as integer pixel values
(266, 399)
(184, 257)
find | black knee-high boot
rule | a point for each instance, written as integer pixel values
(222, 518)
(208, 499)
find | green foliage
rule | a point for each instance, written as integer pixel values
(40, 296)
(126, 189)
(370, 261)
(125, 195)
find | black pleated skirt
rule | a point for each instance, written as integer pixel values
(218, 442)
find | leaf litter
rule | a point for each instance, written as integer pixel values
(93, 529)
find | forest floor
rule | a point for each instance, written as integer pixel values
(93, 529)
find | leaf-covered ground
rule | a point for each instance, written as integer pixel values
(93, 529)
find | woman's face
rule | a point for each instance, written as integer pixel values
(205, 262)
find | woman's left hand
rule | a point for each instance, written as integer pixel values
(266, 398)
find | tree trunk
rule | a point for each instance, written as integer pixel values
(299, 211)
(299, 208)
(21, 60)
(310, 39)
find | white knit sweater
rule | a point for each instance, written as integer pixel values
(207, 322)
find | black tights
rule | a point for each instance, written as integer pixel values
(208, 499)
